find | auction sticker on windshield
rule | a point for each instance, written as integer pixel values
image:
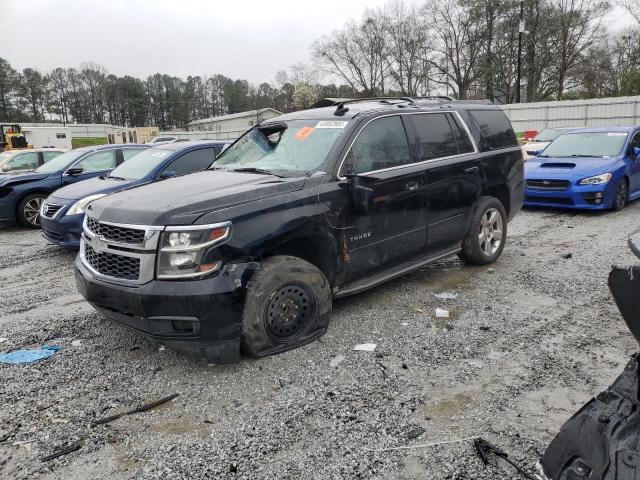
(331, 124)
(304, 132)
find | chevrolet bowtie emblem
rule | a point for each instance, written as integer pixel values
(98, 245)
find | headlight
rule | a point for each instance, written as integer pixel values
(78, 207)
(182, 250)
(597, 180)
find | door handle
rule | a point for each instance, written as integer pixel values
(472, 170)
(412, 186)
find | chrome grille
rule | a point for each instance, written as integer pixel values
(115, 233)
(112, 265)
(50, 209)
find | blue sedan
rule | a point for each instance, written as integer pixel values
(62, 213)
(586, 168)
(21, 196)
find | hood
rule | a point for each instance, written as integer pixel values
(8, 180)
(93, 186)
(181, 200)
(569, 166)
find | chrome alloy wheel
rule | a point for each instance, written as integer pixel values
(32, 211)
(491, 232)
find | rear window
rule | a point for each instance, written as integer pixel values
(496, 129)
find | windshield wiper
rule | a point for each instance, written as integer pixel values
(255, 170)
(585, 156)
(115, 177)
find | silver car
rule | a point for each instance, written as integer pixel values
(13, 162)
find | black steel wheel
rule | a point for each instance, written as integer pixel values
(288, 313)
(287, 305)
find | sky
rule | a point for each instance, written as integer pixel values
(237, 38)
(244, 39)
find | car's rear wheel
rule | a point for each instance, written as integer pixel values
(29, 210)
(488, 232)
(288, 304)
(622, 195)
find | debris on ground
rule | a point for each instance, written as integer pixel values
(64, 451)
(2, 339)
(337, 360)
(29, 355)
(442, 313)
(365, 347)
(446, 296)
(76, 343)
(142, 408)
(484, 448)
(567, 255)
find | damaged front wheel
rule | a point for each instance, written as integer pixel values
(288, 304)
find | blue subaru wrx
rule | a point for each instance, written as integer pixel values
(22, 195)
(588, 168)
(62, 213)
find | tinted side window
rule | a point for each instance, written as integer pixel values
(50, 155)
(127, 153)
(435, 137)
(635, 142)
(381, 144)
(462, 138)
(192, 161)
(97, 161)
(24, 161)
(495, 128)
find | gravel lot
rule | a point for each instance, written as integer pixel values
(527, 342)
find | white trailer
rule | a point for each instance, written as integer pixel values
(42, 137)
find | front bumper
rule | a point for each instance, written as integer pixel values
(62, 230)
(198, 317)
(590, 197)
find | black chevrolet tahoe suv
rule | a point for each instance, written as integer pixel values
(303, 208)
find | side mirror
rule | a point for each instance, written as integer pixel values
(75, 171)
(362, 196)
(167, 174)
(6, 168)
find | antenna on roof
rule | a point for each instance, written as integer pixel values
(341, 109)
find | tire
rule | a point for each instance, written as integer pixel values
(487, 234)
(622, 195)
(28, 212)
(287, 305)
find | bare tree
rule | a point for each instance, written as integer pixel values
(460, 42)
(633, 7)
(408, 48)
(356, 54)
(578, 27)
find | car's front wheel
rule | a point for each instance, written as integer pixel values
(29, 210)
(288, 304)
(488, 232)
(622, 195)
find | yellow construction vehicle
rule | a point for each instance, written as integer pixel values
(11, 138)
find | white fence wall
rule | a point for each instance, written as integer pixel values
(574, 113)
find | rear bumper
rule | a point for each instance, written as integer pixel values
(589, 197)
(63, 230)
(197, 317)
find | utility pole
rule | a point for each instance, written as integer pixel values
(521, 32)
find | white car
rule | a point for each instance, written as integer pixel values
(541, 140)
(166, 139)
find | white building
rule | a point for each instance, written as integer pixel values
(229, 127)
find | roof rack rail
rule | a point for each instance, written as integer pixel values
(444, 98)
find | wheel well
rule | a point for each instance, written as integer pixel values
(317, 250)
(44, 192)
(501, 192)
